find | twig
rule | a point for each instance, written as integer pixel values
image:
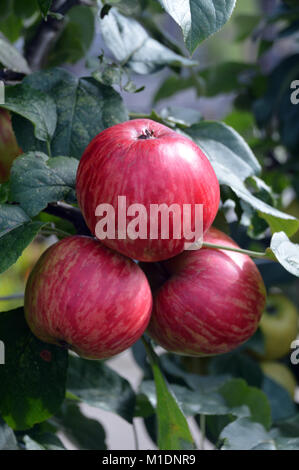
(12, 297)
(7, 75)
(70, 213)
(253, 254)
(47, 33)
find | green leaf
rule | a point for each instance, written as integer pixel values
(289, 427)
(238, 365)
(175, 83)
(4, 192)
(76, 38)
(238, 393)
(199, 19)
(11, 58)
(277, 102)
(256, 343)
(35, 106)
(7, 438)
(95, 383)
(286, 252)
(11, 217)
(45, 441)
(34, 375)
(282, 405)
(132, 46)
(173, 429)
(226, 149)
(5, 8)
(225, 77)
(11, 27)
(84, 433)
(24, 9)
(182, 117)
(202, 401)
(245, 25)
(234, 162)
(244, 434)
(17, 232)
(84, 107)
(44, 6)
(37, 180)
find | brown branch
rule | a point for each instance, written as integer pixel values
(48, 32)
(70, 213)
(8, 76)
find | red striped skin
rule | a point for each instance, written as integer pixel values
(9, 149)
(164, 169)
(85, 296)
(212, 303)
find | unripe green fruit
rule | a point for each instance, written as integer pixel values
(279, 325)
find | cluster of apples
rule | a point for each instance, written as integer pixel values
(93, 297)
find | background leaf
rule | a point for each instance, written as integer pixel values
(8, 440)
(199, 19)
(173, 429)
(35, 106)
(84, 107)
(286, 252)
(84, 433)
(11, 58)
(16, 232)
(131, 45)
(34, 375)
(94, 383)
(37, 180)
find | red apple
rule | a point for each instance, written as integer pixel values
(83, 296)
(147, 163)
(9, 148)
(212, 302)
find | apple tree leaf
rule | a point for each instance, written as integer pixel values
(8, 439)
(17, 231)
(199, 19)
(11, 58)
(131, 45)
(244, 434)
(173, 429)
(286, 252)
(35, 106)
(234, 162)
(94, 383)
(33, 377)
(84, 433)
(84, 108)
(44, 6)
(45, 441)
(37, 180)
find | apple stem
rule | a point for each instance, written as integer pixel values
(202, 421)
(12, 297)
(135, 435)
(253, 254)
(55, 231)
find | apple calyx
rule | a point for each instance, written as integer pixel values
(147, 135)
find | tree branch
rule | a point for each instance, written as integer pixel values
(70, 213)
(49, 30)
(8, 76)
